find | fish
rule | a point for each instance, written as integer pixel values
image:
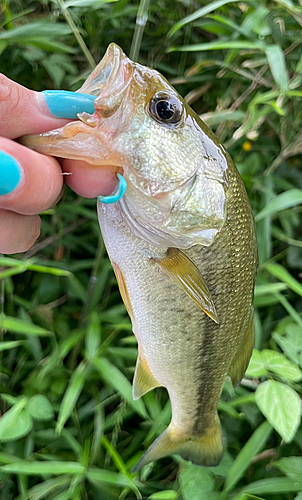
(182, 243)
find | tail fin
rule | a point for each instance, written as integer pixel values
(202, 449)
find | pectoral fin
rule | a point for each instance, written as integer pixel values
(184, 272)
(242, 356)
(143, 380)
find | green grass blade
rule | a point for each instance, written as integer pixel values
(283, 275)
(276, 62)
(22, 327)
(281, 202)
(33, 468)
(273, 485)
(253, 446)
(115, 379)
(109, 477)
(71, 395)
(198, 14)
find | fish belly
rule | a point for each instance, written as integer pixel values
(185, 350)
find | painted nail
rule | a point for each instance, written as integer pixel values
(118, 193)
(10, 173)
(65, 104)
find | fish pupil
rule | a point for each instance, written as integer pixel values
(165, 110)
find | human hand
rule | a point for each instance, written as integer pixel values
(30, 182)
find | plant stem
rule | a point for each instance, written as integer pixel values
(141, 20)
(77, 34)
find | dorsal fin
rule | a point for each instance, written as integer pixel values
(184, 272)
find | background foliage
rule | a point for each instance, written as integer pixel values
(70, 429)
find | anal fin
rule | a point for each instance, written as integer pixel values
(143, 381)
(243, 354)
(188, 277)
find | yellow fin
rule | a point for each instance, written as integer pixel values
(242, 356)
(143, 380)
(184, 272)
(202, 449)
(123, 290)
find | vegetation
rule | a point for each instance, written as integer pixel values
(70, 429)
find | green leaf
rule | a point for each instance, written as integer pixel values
(283, 275)
(198, 14)
(279, 364)
(281, 406)
(164, 495)
(291, 466)
(10, 344)
(269, 288)
(256, 367)
(45, 489)
(272, 485)
(40, 408)
(71, 395)
(290, 198)
(93, 336)
(16, 422)
(33, 468)
(95, 4)
(22, 327)
(277, 66)
(291, 343)
(219, 45)
(36, 29)
(105, 476)
(120, 464)
(252, 447)
(114, 378)
(196, 482)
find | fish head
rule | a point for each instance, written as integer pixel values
(175, 168)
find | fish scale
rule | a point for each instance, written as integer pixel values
(181, 240)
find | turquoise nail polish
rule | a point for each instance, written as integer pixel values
(65, 104)
(118, 193)
(10, 173)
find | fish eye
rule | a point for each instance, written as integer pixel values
(165, 108)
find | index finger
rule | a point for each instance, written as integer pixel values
(25, 112)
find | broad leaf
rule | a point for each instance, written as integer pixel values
(291, 466)
(279, 364)
(196, 482)
(16, 422)
(281, 406)
(40, 408)
(256, 367)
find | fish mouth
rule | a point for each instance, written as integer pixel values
(88, 138)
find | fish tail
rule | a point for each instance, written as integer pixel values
(202, 449)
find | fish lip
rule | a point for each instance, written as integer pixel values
(112, 76)
(105, 72)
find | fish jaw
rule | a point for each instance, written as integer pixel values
(90, 137)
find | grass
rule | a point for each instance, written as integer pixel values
(70, 429)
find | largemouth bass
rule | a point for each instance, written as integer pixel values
(181, 241)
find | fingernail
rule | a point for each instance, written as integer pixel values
(118, 193)
(65, 104)
(10, 173)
